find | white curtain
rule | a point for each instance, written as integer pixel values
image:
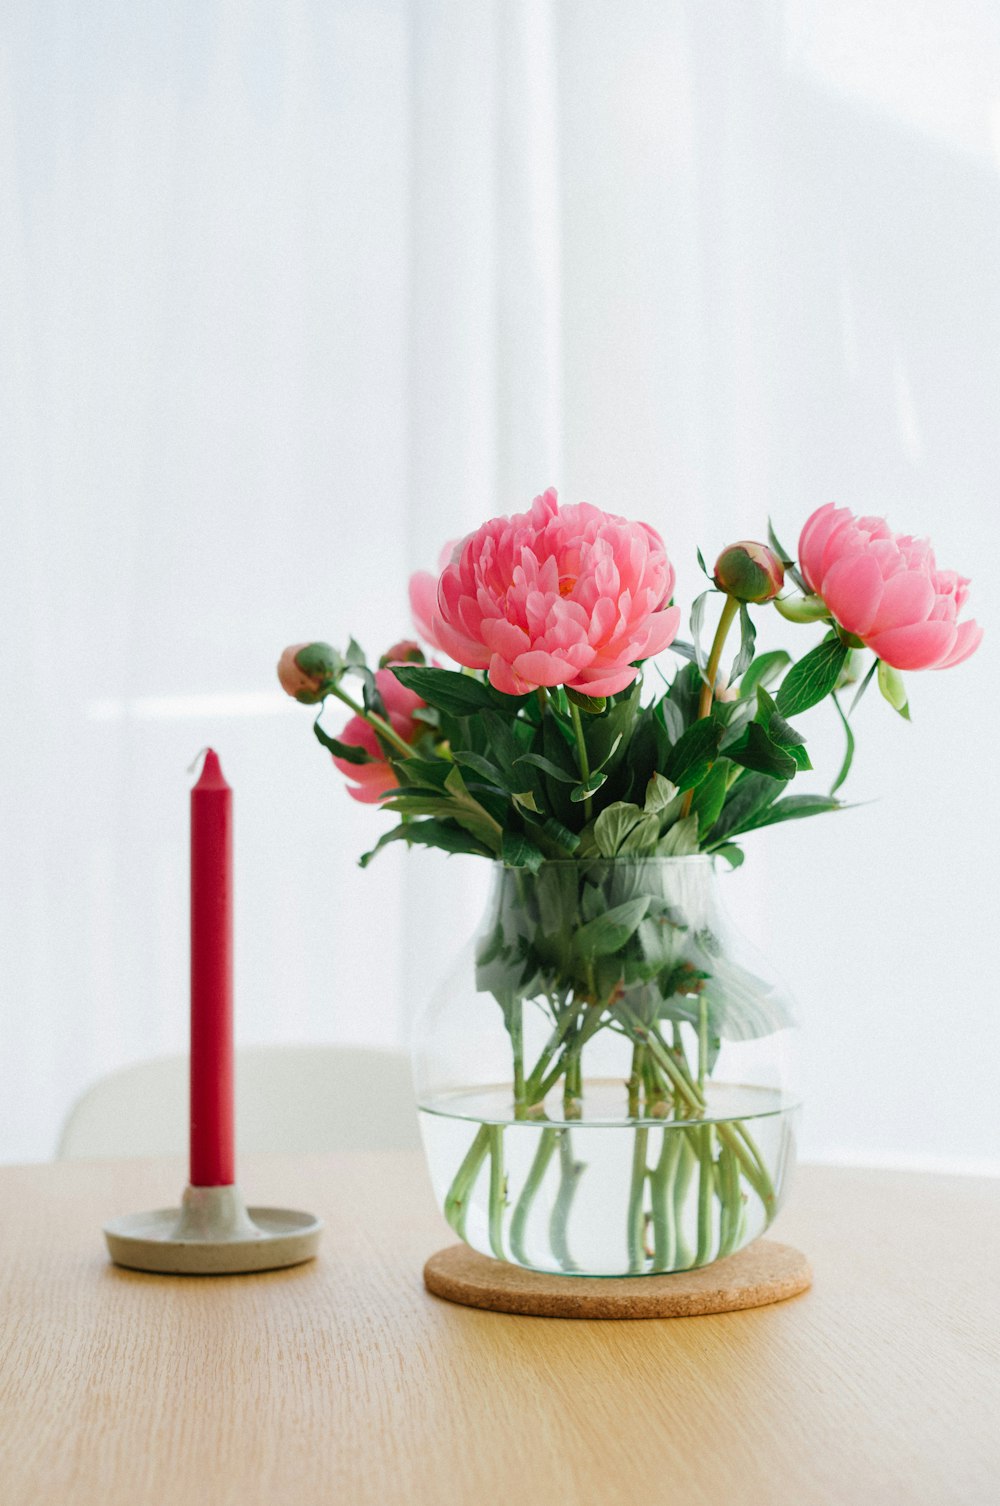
(291, 293)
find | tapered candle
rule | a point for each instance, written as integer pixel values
(212, 1153)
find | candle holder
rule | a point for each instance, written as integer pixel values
(213, 1233)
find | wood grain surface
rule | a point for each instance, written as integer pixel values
(344, 1381)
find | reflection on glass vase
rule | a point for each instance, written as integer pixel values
(604, 1082)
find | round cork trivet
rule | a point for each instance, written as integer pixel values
(762, 1273)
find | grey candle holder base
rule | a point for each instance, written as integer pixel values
(213, 1233)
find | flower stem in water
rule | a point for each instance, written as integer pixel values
(570, 1172)
(498, 1190)
(636, 1200)
(548, 1140)
(456, 1204)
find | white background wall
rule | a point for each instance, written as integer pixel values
(292, 292)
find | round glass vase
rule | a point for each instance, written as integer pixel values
(604, 1081)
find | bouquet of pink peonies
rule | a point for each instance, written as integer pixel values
(522, 754)
(602, 807)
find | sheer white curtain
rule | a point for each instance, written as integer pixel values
(292, 292)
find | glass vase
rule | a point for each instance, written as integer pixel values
(604, 1082)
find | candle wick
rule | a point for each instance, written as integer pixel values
(193, 765)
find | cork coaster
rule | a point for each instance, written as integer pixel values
(762, 1273)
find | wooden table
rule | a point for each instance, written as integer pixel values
(344, 1382)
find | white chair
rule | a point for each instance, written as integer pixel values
(288, 1098)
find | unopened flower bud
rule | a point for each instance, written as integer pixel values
(404, 652)
(749, 571)
(306, 669)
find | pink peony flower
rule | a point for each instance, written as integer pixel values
(423, 595)
(555, 596)
(371, 780)
(886, 589)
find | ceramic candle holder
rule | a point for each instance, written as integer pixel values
(213, 1233)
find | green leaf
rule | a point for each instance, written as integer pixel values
(587, 787)
(785, 558)
(794, 808)
(845, 767)
(429, 834)
(350, 752)
(659, 793)
(592, 704)
(423, 773)
(642, 839)
(446, 689)
(750, 794)
(538, 761)
(701, 560)
(863, 687)
(609, 932)
(697, 617)
(681, 841)
(671, 717)
(518, 852)
(710, 795)
(692, 756)
(685, 692)
(733, 855)
(774, 724)
(764, 670)
(812, 678)
(748, 637)
(683, 650)
(555, 840)
(525, 801)
(613, 826)
(755, 750)
(482, 767)
(890, 683)
(355, 656)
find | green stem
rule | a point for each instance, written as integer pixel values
(706, 1190)
(635, 1079)
(732, 1201)
(686, 1162)
(456, 1203)
(547, 1143)
(570, 1172)
(662, 1181)
(516, 1028)
(702, 1043)
(498, 1191)
(636, 1200)
(581, 752)
(729, 610)
(381, 726)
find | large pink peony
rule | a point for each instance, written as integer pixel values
(886, 589)
(555, 596)
(371, 780)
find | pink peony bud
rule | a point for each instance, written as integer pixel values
(749, 571)
(886, 589)
(404, 652)
(306, 669)
(556, 596)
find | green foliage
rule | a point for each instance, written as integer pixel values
(813, 678)
(500, 776)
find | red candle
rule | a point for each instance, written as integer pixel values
(212, 1155)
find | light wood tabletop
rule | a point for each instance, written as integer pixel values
(343, 1381)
